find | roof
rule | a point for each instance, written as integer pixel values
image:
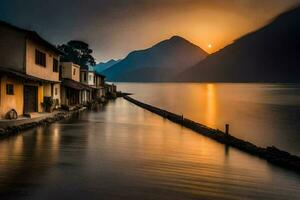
(24, 76)
(74, 84)
(72, 63)
(88, 68)
(91, 69)
(85, 70)
(33, 36)
(98, 74)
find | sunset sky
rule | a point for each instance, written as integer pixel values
(113, 28)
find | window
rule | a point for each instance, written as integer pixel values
(40, 58)
(90, 78)
(74, 71)
(55, 91)
(84, 76)
(9, 89)
(55, 65)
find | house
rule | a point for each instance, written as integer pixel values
(87, 77)
(110, 91)
(95, 81)
(29, 65)
(71, 88)
(99, 91)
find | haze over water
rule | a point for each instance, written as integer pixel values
(265, 114)
(124, 152)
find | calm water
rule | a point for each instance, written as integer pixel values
(124, 152)
(261, 113)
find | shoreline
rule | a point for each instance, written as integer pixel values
(270, 153)
(14, 130)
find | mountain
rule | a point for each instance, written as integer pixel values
(100, 67)
(270, 54)
(159, 63)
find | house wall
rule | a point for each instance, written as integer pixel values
(91, 78)
(52, 90)
(82, 97)
(82, 73)
(69, 96)
(37, 70)
(56, 93)
(102, 92)
(8, 102)
(68, 71)
(85, 96)
(47, 90)
(12, 48)
(16, 101)
(63, 96)
(76, 75)
(40, 94)
(102, 81)
(99, 81)
(40, 97)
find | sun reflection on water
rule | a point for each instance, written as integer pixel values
(211, 105)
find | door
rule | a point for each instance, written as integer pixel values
(30, 99)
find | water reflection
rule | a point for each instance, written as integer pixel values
(211, 105)
(265, 114)
(25, 158)
(124, 152)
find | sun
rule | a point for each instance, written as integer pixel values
(209, 46)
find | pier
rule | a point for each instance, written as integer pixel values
(270, 153)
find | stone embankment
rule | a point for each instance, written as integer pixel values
(271, 154)
(12, 130)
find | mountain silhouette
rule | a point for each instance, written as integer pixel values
(270, 54)
(105, 65)
(159, 63)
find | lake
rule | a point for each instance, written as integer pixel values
(120, 151)
(265, 114)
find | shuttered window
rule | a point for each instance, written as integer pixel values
(40, 58)
(55, 65)
(9, 89)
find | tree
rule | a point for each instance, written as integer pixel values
(78, 52)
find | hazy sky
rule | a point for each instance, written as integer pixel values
(113, 28)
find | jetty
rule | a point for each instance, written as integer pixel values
(270, 153)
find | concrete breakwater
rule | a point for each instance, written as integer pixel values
(12, 130)
(271, 154)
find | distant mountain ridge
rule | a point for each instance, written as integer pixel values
(270, 54)
(161, 62)
(100, 67)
